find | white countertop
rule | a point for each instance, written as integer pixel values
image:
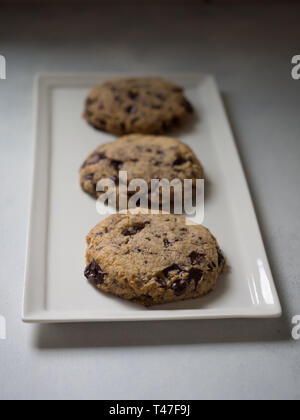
(249, 50)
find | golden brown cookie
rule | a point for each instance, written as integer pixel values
(144, 157)
(138, 105)
(152, 259)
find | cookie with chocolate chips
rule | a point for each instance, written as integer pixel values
(144, 157)
(151, 259)
(145, 105)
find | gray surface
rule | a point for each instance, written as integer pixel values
(249, 50)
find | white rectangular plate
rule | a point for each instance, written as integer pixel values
(62, 215)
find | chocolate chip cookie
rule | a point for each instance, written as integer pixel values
(144, 157)
(145, 105)
(152, 259)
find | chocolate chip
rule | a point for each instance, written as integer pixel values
(162, 282)
(179, 161)
(156, 106)
(115, 179)
(95, 158)
(90, 101)
(102, 122)
(221, 259)
(154, 162)
(175, 121)
(101, 233)
(196, 258)
(211, 266)
(196, 275)
(188, 106)
(173, 267)
(133, 230)
(177, 89)
(117, 164)
(166, 125)
(166, 243)
(131, 109)
(160, 96)
(122, 126)
(179, 287)
(94, 273)
(90, 177)
(133, 95)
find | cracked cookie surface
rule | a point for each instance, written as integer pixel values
(145, 105)
(152, 259)
(144, 157)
